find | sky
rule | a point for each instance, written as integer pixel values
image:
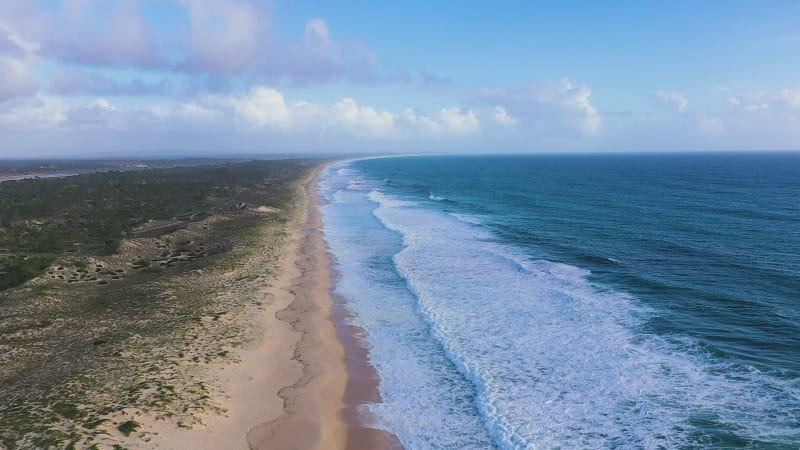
(216, 77)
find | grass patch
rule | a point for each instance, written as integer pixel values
(128, 427)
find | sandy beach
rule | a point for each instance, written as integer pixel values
(300, 384)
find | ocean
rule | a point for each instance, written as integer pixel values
(575, 301)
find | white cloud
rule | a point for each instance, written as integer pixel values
(363, 119)
(261, 107)
(670, 99)
(501, 117)
(781, 100)
(266, 108)
(191, 113)
(97, 114)
(764, 119)
(457, 121)
(33, 113)
(102, 104)
(547, 108)
(446, 121)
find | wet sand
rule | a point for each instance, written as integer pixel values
(299, 387)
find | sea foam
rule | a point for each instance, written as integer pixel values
(551, 359)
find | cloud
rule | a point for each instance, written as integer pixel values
(784, 100)
(43, 113)
(740, 120)
(225, 36)
(669, 99)
(100, 33)
(446, 121)
(762, 119)
(74, 81)
(97, 114)
(260, 109)
(185, 115)
(319, 58)
(32, 113)
(363, 119)
(267, 108)
(17, 62)
(222, 38)
(771, 117)
(546, 108)
(501, 117)
(235, 37)
(456, 121)
(263, 107)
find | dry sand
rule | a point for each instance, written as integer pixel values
(292, 388)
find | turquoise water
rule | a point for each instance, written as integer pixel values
(605, 301)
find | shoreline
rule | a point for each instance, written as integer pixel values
(301, 384)
(311, 417)
(337, 377)
(362, 383)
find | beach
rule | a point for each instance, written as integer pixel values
(314, 305)
(291, 388)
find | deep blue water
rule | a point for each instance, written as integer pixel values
(580, 301)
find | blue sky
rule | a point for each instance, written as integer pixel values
(113, 77)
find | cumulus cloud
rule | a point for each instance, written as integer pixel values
(267, 108)
(362, 119)
(446, 121)
(669, 99)
(260, 109)
(501, 117)
(547, 108)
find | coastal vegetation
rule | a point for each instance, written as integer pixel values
(89, 214)
(118, 289)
